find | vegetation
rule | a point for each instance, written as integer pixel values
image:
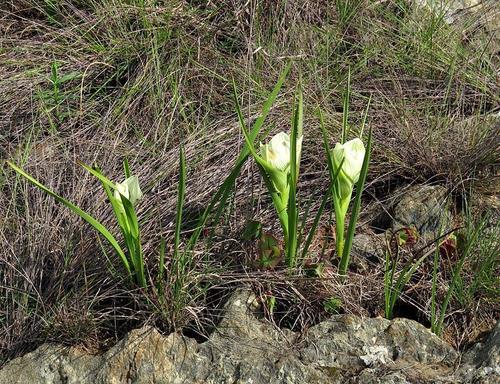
(184, 90)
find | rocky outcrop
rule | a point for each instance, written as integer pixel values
(244, 349)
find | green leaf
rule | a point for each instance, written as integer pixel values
(252, 230)
(84, 215)
(126, 169)
(225, 189)
(291, 246)
(344, 261)
(181, 193)
(97, 173)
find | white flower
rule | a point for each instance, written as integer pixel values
(129, 189)
(277, 152)
(353, 153)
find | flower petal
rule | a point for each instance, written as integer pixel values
(129, 189)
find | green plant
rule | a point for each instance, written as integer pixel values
(270, 304)
(393, 287)
(224, 191)
(122, 197)
(278, 163)
(346, 10)
(52, 99)
(333, 305)
(485, 268)
(180, 260)
(468, 242)
(348, 166)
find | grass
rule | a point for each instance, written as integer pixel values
(474, 244)
(104, 80)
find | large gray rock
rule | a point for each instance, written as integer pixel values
(481, 364)
(368, 247)
(244, 349)
(425, 207)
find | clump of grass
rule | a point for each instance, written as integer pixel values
(474, 242)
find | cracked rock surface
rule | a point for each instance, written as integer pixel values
(244, 349)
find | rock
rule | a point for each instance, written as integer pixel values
(50, 364)
(481, 364)
(462, 12)
(244, 349)
(369, 246)
(426, 207)
(351, 344)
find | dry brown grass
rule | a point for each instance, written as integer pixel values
(147, 78)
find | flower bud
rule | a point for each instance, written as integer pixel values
(352, 153)
(129, 189)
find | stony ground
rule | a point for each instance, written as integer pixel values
(245, 349)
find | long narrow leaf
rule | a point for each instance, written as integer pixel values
(181, 193)
(224, 190)
(339, 228)
(248, 139)
(471, 241)
(263, 167)
(435, 266)
(292, 197)
(344, 261)
(97, 173)
(119, 214)
(345, 108)
(84, 215)
(126, 169)
(321, 208)
(161, 268)
(133, 239)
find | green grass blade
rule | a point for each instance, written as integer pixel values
(471, 241)
(180, 261)
(303, 221)
(317, 218)
(266, 108)
(387, 286)
(97, 173)
(345, 108)
(126, 169)
(365, 116)
(246, 135)
(161, 268)
(326, 145)
(435, 266)
(181, 193)
(344, 261)
(84, 215)
(291, 254)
